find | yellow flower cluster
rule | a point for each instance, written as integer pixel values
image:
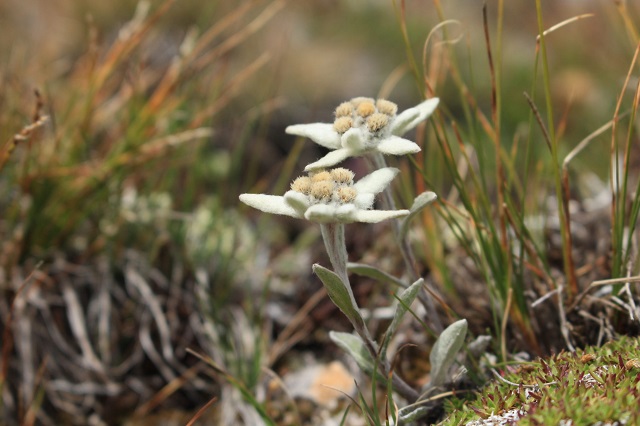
(326, 186)
(374, 114)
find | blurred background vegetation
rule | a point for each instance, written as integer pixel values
(128, 129)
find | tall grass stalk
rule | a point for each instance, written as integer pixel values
(624, 215)
(482, 228)
(562, 201)
(490, 203)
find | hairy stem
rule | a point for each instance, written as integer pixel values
(334, 242)
(379, 162)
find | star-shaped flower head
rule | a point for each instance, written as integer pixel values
(364, 125)
(330, 196)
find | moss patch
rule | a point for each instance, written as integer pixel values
(597, 384)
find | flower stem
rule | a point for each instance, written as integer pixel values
(334, 241)
(378, 162)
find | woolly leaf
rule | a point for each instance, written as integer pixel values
(339, 294)
(420, 202)
(405, 299)
(375, 273)
(355, 347)
(444, 351)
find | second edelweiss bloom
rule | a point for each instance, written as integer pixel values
(364, 125)
(330, 197)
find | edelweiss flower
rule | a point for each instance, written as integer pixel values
(330, 197)
(364, 125)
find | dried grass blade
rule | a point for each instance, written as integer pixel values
(77, 323)
(563, 23)
(201, 411)
(230, 90)
(168, 390)
(242, 35)
(126, 43)
(149, 298)
(149, 348)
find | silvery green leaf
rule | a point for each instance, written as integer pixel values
(339, 294)
(375, 273)
(445, 349)
(405, 299)
(420, 202)
(355, 347)
(478, 346)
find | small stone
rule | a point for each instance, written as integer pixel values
(323, 384)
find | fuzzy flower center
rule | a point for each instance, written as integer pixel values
(371, 115)
(327, 186)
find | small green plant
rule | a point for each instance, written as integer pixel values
(368, 128)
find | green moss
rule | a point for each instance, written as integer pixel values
(597, 384)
